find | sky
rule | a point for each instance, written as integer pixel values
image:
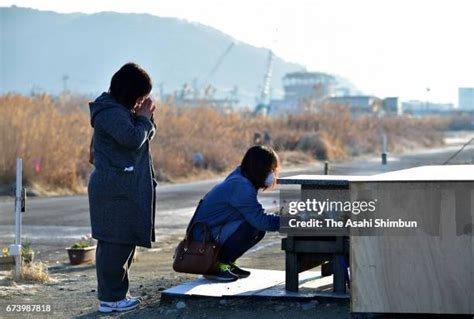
(385, 47)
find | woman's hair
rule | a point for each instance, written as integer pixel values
(257, 163)
(129, 84)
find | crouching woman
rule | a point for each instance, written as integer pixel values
(236, 218)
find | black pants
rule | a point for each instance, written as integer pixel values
(112, 264)
(244, 238)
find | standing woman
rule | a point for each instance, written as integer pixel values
(122, 185)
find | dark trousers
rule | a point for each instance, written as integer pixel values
(112, 264)
(244, 238)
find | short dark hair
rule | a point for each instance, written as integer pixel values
(129, 84)
(257, 163)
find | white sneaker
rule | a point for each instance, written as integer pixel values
(135, 298)
(122, 305)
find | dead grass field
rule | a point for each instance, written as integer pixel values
(52, 135)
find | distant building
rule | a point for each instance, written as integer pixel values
(368, 104)
(392, 105)
(305, 91)
(466, 99)
(358, 104)
(302, 85)
(192, 96)
(422, 108)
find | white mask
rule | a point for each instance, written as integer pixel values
(270, 179)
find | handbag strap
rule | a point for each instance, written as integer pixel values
(207, 233)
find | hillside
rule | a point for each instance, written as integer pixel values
(38, 48)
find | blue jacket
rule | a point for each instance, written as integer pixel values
(121, 188)
(229, 204)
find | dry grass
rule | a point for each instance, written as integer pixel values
(52, 133)
(55, 132)
(335, 134)
(36, 271)
(221, 139)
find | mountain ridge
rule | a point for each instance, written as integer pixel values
(40, 48)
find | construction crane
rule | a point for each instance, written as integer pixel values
(263, 101)
(218, 64)
(202, 89)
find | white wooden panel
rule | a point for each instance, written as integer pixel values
(414, 274)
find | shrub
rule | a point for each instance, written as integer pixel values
(36, 271)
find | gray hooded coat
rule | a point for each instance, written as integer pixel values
(121, 187)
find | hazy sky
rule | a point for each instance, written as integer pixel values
(385, 47)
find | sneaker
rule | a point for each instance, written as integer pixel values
(122, 305)
(140, 299)
(239, 272)
(224, 274)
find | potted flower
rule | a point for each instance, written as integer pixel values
(83, 251)
(7, 261)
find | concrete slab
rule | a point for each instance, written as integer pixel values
(262, 283)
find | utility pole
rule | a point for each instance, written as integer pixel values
(384, 149)
(65, 79)
(427, 108)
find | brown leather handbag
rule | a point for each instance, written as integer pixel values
(197, 257)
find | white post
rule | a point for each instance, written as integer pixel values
(18, 205)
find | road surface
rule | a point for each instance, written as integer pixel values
(51, 224)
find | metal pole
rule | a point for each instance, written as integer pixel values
(384, 149)
(18, 205)
(326, 168)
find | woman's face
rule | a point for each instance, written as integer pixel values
(270, 181)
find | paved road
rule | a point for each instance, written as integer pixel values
(53, 223)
